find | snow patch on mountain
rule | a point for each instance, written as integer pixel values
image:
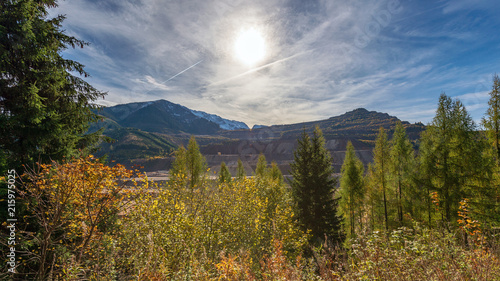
(224, 124)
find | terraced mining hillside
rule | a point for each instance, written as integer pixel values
(278, 142)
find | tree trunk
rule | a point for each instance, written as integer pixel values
(385, 210)
(400, 207)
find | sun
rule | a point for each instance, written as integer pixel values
(250, 46)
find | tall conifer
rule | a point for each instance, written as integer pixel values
(402, 163)
(491, 121)
(240, 170)
(314, 186)
(351, 189)
(452, 157)
(381, 159)
(224, 174)
(45, 110)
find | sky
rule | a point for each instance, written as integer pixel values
(317, 58)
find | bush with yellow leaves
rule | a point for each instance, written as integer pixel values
(178, 232)
(73, 206)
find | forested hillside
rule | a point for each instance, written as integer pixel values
(277, 143)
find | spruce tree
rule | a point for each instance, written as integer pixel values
(351, 190)
(45, 110)
(313, 188)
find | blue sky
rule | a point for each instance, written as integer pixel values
(323, 57)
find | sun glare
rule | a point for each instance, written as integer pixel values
(250, 46)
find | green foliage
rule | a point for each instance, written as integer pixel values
(380, 172)
(196, 163)
(402, 165)
(261, 168)
(240, 171)
(313, 187)
(262, 171)
(189, 167)
(179, 171)
(418, 254)
(491, 121)
(275, 173)
(351, 191)
(45, 110)
(128, 143)
(452, 158)
(224, 174)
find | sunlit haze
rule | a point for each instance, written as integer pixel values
(250, 46)
(280, 62)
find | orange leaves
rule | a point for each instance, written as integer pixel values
(467, 224)
(435, 199)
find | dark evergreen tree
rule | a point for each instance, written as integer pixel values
(45, 110)
(313, 188)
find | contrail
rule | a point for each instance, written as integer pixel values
(181, 72)
(256, 69)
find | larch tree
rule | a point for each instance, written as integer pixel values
(240, 170)
(351, 193)
(381, 169)
(452, 157)
(275, 173)
(261, 168)
(491, 122)
(196, 163)
(401, 166)
(224, 174)
(189, 166)
(313, 188)
(178, 172)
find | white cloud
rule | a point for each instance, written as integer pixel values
(323, 60)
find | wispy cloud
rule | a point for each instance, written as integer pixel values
(324, 57)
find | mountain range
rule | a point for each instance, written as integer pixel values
(146, 133)
(162, 116)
